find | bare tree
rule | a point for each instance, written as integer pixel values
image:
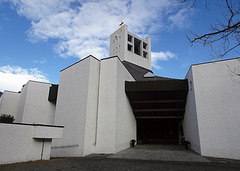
(223, 37)
(234, 73)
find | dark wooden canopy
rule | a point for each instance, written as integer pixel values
(157, 98)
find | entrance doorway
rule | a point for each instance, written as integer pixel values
(158, 131)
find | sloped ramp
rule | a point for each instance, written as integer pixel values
(161, 153)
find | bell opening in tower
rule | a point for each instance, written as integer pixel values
(137, 46)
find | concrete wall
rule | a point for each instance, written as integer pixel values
(140, 60)
(34, 106)
(92, 107)
(119, 47)
(118, 43)
(9, 103)
(19, 145)
(107, 107)
(77, 108)
(125, 119)
(190, 122)
(21, 105)
(116, 123)
(217, 107)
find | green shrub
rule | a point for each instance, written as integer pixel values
(4, 118)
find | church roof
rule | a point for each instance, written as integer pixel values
(142, 74)
(153, 97)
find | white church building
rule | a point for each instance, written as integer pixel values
(104, 104)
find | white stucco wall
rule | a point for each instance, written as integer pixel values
(92, 107)
(9, 103)
(21, 105)
(116, 123)
(217, 105)
(125, 119)
(18, 145)
(118, 42)
(34, 106)
(47, 132)
(190, 122)
(77, 108)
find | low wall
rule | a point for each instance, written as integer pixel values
(26, 142)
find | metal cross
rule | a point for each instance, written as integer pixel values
(121, 24)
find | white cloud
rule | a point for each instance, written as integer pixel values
(13, 77)
(181, 19)
(82, 27)
(38, 9)
(40, 61)
(161, 56)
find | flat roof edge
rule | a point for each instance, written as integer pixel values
(89, 56)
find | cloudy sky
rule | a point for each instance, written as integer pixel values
(38, 38)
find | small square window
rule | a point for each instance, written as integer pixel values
(129, 38)
(144, 45)
(129, 47)
(145, 54)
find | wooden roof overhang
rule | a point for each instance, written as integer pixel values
(158, 98)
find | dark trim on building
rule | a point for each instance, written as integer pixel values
(80, 61)
(37, 82)
(211, 62)
(159, 117)
(9, 91)
(111, 58)
(156, 85)
(57, 126)
(216, 61)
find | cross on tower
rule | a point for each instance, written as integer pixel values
(121, 24)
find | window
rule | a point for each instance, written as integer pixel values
(137, 48)
(129, 38)
(144, 45)
(129, 47)
(145, 54)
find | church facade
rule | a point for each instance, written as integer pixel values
(104, 104)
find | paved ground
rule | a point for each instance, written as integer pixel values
(160, 153)
(114, 162)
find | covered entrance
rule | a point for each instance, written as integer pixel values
(158, 131)
(159, 108)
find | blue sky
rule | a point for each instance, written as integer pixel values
(38, 38)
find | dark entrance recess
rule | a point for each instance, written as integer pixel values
(157, 131)
(158, 107)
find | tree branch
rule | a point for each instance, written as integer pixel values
(235, 26)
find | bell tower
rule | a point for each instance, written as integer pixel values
(131, 48)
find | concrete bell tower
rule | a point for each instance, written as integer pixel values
(131, 48)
